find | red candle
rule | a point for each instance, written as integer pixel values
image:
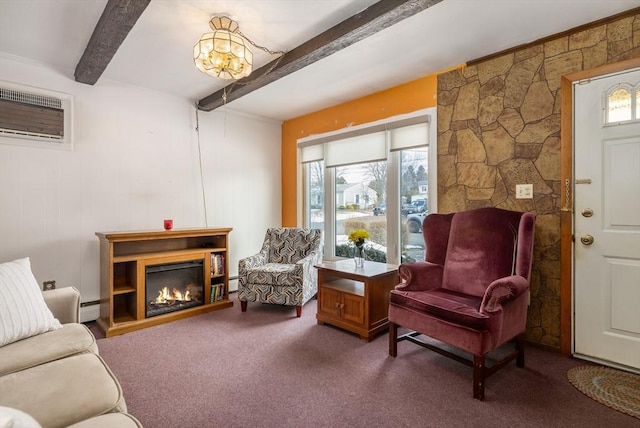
(168, 224)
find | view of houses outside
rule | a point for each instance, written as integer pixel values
(361, 199)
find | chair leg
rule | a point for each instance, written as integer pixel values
(243, 305)
(478, 377)
(298, 311)
(393, 339)
(520, 349)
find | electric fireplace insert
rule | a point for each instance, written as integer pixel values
(171, 287)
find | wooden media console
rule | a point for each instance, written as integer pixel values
(125, 257)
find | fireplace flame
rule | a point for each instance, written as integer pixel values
(176, 296)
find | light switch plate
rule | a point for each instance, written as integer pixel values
(524, 191)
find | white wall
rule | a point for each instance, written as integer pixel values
(135, 162)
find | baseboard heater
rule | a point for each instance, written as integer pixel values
(89, 311)
(89, 303)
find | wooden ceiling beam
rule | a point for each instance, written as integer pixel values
(375, 18)
(118, 18)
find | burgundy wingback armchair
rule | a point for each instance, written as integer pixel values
(472, 290)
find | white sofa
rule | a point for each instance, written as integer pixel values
(53, 378)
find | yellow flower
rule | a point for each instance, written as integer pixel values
(358, 236)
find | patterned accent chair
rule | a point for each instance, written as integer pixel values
(283, 272)
(471, 292)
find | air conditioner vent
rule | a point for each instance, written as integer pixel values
(32, 99)
(32, 115)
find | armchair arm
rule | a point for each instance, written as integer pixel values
(307, 263)
(251, 262)
(502, 290)
(419, 276)
(64, 304)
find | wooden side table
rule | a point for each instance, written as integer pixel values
(355, 299)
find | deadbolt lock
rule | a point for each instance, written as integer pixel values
(586, 239)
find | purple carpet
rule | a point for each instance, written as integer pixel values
(267, 368)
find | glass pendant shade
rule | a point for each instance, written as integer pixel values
(223, 53)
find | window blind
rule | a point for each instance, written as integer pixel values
(365, 143)
(360, 149)
(312, 153)
(409, 137)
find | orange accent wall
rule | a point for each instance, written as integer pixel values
(406, 98)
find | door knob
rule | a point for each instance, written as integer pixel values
(587, 212)
(586, 239)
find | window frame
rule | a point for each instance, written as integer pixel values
(393, 200)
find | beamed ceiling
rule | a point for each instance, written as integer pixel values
(337, 50)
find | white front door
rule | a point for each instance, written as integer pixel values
(606, 225)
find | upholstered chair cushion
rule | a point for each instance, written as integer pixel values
(56, 393)
(71, 339)
(284, 275)
(446, 304)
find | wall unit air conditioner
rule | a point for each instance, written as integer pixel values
(35, 117)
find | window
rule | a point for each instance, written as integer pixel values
(374, 177)
(358, 189)
(414, 190)
(621, 104)
(314, 189)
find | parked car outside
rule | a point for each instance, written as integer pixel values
(414, 222)
(380, 209)
(418, 206)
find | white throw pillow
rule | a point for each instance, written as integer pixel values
(23, 312)
(14, 418)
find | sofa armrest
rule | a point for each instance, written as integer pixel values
(64, 303)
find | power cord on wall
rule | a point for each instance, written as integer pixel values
(204, 197)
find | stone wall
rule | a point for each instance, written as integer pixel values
(499, 125)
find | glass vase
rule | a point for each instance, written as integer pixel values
(359, 256)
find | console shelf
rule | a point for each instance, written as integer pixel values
(124, 256)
